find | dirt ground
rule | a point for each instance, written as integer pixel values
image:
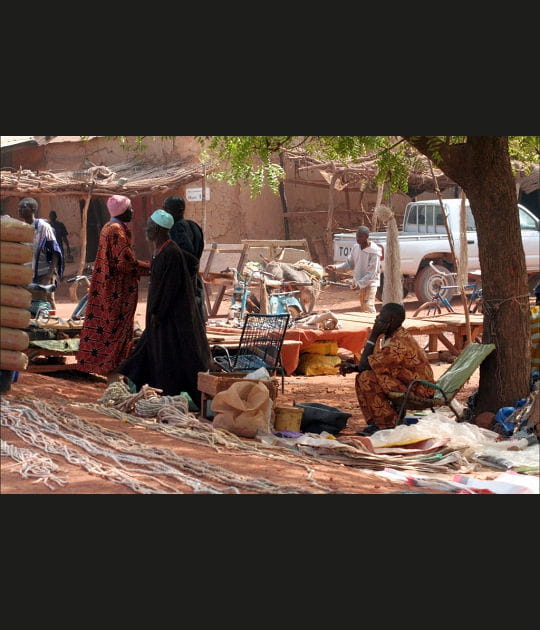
(221, 467)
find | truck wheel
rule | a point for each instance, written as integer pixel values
(428, 282)
(378, 295)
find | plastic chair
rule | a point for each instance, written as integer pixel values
(448, 384)
(260, 346)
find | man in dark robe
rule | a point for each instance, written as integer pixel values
(188, 235)
(173, 348)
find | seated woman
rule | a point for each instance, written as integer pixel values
(390, 369)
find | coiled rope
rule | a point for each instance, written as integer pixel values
(32, 464)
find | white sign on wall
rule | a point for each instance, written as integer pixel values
(195, 194)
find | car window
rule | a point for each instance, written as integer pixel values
(471, 225)
(411, 225)
(526, 221)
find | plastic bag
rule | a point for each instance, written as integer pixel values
(463, 435)
(243, 409)
(261, 374)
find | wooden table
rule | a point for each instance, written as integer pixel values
(436, 328)
(455, 324)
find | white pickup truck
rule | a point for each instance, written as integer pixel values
(424, 238)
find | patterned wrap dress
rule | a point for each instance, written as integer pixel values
(400, 361)
(107, 335)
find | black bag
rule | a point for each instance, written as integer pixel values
(318, 418)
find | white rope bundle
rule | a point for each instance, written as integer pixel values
(30, 428)
(118, 395)
(393, 278)
(135, 459)
(150, 407)
(33, 464)
(218, 439)
(174, 416)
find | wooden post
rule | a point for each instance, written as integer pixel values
(454, 257)
(284, 200)
(203, 221)
(328, 240)
(380, 193)
(82, 259)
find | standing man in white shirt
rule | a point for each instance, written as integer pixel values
(365, 261)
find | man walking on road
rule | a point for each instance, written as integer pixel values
(365, 261)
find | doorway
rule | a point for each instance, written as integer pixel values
(98, 215)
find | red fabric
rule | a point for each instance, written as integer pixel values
(107, 334)
(352, 340)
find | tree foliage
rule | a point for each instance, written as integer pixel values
(252, 160)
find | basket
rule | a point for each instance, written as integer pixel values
(288, 418)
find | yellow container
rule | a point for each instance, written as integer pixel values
(288, 418)
(317, 364)
(321, 347)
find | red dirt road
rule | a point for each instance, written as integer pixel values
(217, 468)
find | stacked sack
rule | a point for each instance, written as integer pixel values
(15, 253)
(320, 357)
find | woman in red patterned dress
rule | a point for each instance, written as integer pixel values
(107, 334)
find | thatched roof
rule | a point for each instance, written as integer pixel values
(364, 171)
(134, 178)
(9, 142)
(530, 183)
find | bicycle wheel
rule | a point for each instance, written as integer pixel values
(476, 305)
(476, 301)
(80, 309)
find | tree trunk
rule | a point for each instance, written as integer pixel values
(482, 168)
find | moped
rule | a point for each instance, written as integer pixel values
(286, 302)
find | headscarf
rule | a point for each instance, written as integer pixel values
(117, 205)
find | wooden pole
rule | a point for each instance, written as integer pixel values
(82, 259)
(284, 201)
(204, 200)
(454, 257)
(329, 241)
(380, 193)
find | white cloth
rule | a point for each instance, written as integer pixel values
(366, 264)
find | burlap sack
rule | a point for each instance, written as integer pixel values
(243, 409)
(15, 316)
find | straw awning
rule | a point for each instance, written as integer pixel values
(133, 178)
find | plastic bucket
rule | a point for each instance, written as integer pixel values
(288, 418)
